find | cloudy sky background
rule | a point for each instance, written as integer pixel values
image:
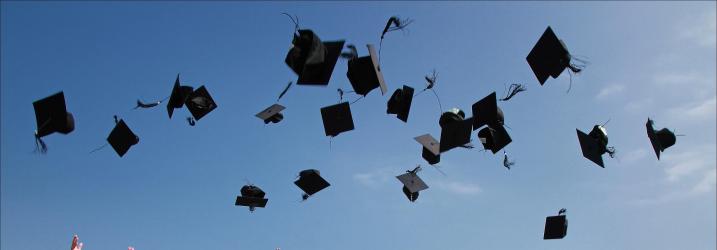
(176, 188)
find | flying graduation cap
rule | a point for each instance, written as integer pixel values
(273, 113)
(179, 95)
(365, 74)
(122, 138)
(337, 119)
(455, 129)
(311, 59)
(594, 145)
(487, 112)
(311, 182)
(549, 57)
(431, 148)
(200, 103)
(400, 103)
(412, 184)
(494, 139)
(660, 139)
(51, 116)
(252, 197)
(556, 227)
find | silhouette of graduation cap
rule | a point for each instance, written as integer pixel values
(252, 197)
(660, 139)
(594, 145)
(494, 139)
(312, 60)
(412, 184)
(400, 103)
(51, 116)
(556, 227)
(431, 148)
(455, 131)
(271, 114)
(365, 74)
(311, 182)
(178, 97)
(549, 57)
(122, 138)
(200, 103)
(337, 119)
(487, 112)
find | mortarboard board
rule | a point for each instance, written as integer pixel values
(400, 103)
(337, 119)
(178, 97)
(487, 112)
(456, 134)
(591, 148)
(200, 103)
(271, 114)
(431, 148)
(549, 56)
(310, 181)
(52, 116)
(556, 227)
(122, 138)
(661, 139)
(311, 59)
(365, 74)
(252, 197)
(412, 184)
(494, 139)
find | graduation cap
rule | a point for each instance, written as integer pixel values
(271, 114)
(494, 139)
(51, 116)
(450, 116)
(364, 73)
(312, 59)
(200, 103)
(431, 148)
(556, 227)
(178, 97)
(400, 103)
(252, 197)
(310, 182)
(487, 112)
(454, 132)
(550, 57)
(660, 139)
(337, 119)
(594, 145)
(412, 184)
(122, 138)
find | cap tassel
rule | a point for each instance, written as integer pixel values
(284, 91)
(398, 25)
(611, 151)
(562, 211)
(40, 145)
(431, 80)
(507, 163)
(513, 90)
(295, 20)
(575, 68)
(191, 121)
(143, 105)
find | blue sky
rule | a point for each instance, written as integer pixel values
(176, 188)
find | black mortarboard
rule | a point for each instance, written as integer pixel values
(52, 116)
(337, 119)
(252, 197)
(412, 184)
(271, 114)
(310, 181)
(549, 56)
(200, 103)
(494, 139)
(455, 134)
(312, 59)
(178, 96)
(400, 103)
(122, 138)
(592, 149)
(556, 227)
(487, 112)
(365, 74)
(431, 148)
(661, 139)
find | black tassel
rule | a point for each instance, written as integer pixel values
(562, 211)
(398, 24)
(40, 145)
(507, 163)
(140, 104)
(284, 91)
(513, 90)
(611, 151)
(575, 68)
(191, 121)
(295, 20)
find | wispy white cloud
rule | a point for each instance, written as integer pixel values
(691, 161)
(704, 33)
(609, 91)
(707, 183)
(461, 188)
(374, 178)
